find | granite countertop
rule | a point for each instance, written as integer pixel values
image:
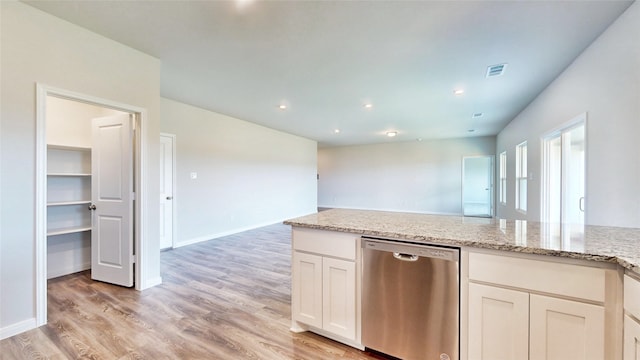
(595, 243)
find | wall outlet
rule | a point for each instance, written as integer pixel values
(194, 175)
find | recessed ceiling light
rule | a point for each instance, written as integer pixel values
(336, 131)
(368, 106)
(458, 92)
(392, 133)
(282, 107)
(241, 4)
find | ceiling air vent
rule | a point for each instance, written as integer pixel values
(496, 70)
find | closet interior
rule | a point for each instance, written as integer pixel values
(69, 184)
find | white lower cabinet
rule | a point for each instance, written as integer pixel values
(339, 297)
(565, 329)
(631, 339)
(498, 323)
(631, 318)
(307, 289)
(324, 292)
(520, 315)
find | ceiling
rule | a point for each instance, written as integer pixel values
(325, 60)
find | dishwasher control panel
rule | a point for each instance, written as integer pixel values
(411, 249)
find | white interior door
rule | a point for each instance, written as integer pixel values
(167, 158)
(477, 186)
(112, 200)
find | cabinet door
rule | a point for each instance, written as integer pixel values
(339, 297)
(306, 289)
(631, 339)
(498, 323)
(564, 329)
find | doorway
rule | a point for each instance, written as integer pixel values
(477, 186)
(167, 189)
(563, 188)
(136, 115)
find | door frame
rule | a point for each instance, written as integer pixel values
(173, 188)
(492, 186)
(140, 116)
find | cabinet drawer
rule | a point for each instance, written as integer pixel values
(550, 277)
(328, 243)
(632, 296)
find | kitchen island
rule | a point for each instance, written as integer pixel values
(536, 269)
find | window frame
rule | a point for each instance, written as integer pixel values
(502, 178)
(521, 177)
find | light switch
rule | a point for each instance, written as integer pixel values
(194, 175)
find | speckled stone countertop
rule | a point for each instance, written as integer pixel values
(595, 243)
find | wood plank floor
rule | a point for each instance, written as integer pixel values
(227, 298)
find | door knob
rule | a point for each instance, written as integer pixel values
(92, 207)
(169, 197)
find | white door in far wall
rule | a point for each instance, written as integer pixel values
(167, 166)
(477, 186)
(112, 200)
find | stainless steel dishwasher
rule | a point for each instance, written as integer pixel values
(411, 297)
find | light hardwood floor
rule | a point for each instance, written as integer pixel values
(227, 298)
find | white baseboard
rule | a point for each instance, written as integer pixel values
(73, 268)
(224, 233)
(149, 283)
(17, 328)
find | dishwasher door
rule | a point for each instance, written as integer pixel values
(411, 297)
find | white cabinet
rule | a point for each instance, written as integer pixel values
(498, 323)
(68, 217)
(324, 291)
(631, 318)
(307, 288)
(631, 338)
(339, 297)
(521, 308)
(565, 329)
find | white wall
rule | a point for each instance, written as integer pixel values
(248, 175)
(423, 177)
(69, 122)
(604, 82)
(37, 47)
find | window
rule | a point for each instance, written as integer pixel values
(521, 177)
(503, 178)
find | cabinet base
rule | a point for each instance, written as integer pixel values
(297, 327)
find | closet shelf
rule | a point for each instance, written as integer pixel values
(71, 230)
(68, 174)
(68, 147)
(67, 203)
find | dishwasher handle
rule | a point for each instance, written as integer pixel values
(405, 257)
(411, 252)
